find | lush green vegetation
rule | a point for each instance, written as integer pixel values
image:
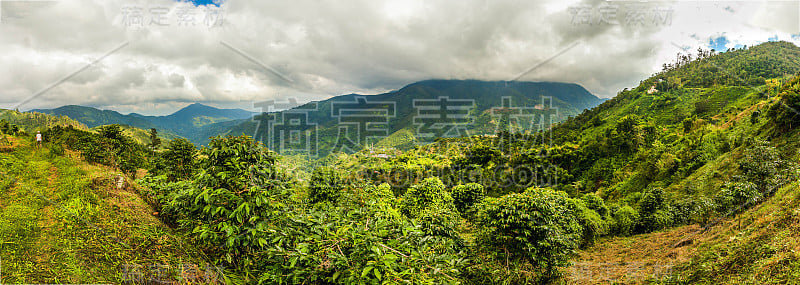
(30, 123)
(66, 221)
(702, 143)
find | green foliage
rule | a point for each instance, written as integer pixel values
(746, 66)
(654, 211)
(786, 112)
(592, 223)
(155, 141)
(690, 211)
(537, 226)
(737, 197)
(466, 196)
(428, 195)
(127, 155)
(56, 149)
(109, 147)
(326, 185)
(361, 244)
(18, 122)
(177, 161)
(688, 124)
(625, 221)
(763, 166)
(234, 198)
(479, 155)
(112, 132)
(79, 225)
(8, 128)
(239, 207)
(594, 202)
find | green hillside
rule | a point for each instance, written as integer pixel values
(66, 221)
(142, 136)
(196, 122)
(688, 178)
(396, 111)
(92, 117)
(32, 122)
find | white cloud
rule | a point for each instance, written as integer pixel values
(330, 47)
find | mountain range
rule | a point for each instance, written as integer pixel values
(391, 113)
(191, 122)
(427, 108)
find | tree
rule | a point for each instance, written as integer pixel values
(625, 219)
(430, 194)
(762, 165)
(326, 185)
(654, 211)
(237, 195)
(155, 141)
(178, 160)
(593, 224)
(629, 132)
(538, 226)
(126, 154)
(737, 197)
(465, 197)
(112, 132)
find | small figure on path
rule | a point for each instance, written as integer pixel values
(38, 139)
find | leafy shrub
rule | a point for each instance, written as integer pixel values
(432, 206)
(594, 202)
(56, 149)
(737, 197)
(689, 211)
(538, 226)
(357, 244)
(236, 196)
(593, 224)
(654, 211)
(429, 194)
(177, 162)
(384, 192)
(480, 154)
(326, 185)
(169, 196)
(110, 146)
(625, 219)
(129, 156)
(763, 166)
(786, 118)
(439, 222)
(466, 196)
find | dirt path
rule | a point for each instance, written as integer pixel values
(634, 260)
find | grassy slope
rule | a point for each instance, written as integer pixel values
(64, 221)
(755, 247)
(759, 246)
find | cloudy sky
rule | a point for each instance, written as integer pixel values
(156, 56)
